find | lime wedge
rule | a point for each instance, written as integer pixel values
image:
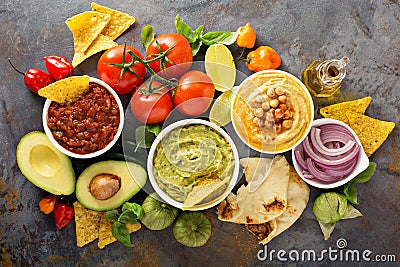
(220, 66)
(220, 112)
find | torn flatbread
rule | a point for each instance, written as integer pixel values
(266, 203)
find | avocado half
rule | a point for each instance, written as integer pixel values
(44, 166)
(129, 176)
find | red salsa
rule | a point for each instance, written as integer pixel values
(86, 125)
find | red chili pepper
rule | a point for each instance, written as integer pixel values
(34, 79)
(47, 204)
(58, 67)
(63, 215)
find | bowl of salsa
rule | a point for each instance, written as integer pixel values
(87, 127)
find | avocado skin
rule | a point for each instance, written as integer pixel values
(62, 182)
(133, 177)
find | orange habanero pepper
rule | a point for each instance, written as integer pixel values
(263, 58)
(246, 36)
(47, 204)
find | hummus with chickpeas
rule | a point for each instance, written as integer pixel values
(272, 111)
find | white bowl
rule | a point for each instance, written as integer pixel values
(98, 152)
(237, 126)
(163, 194)
(361, 165)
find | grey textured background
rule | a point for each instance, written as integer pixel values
(366, 31)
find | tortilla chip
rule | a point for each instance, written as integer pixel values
(338, 111)
(86, 224)
(118, 23)
(371, 132)
(85, 27)
(266, 203)
(66, 90)
(101, 43)
(105, 235)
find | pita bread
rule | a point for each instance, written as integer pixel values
(264, 204)
(298, 195)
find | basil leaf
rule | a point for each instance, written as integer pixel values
(350, 191)
(366, 175)
(147, 36)
(196, 47)
(185, 30)
(135, 208)
(121, 233)
(145, 135)
(112, 215)
(155, 129)
(128, 217)
(226, 38)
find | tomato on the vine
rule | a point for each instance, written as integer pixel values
(117, 69)
(194, 93)
(178, 58)
(151, 103)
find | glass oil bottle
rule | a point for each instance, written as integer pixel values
(323, 77)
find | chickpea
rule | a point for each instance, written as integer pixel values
(280, 91)
(287, 115)
(259, 98)
(279, 114)
(278, 128)
(258, 121)
(271, 92)
(258, 112)
(283, 107)
(274, 103)
(268, 124)
(265, 106)
(282, 98)
(287, 124)
(269, 116)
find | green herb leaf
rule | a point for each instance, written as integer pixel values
(226, 38)
(121, 233)
(112, 215)
(128, 217)
(147, 36)
(135, 208)
(366, 175)
(196, 46)
(146, 134)
(350, 191)
(185, 30)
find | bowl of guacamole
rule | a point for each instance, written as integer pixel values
(193, 164)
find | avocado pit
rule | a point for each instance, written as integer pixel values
(104, 186)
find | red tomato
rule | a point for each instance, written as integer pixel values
(194, 93)
(178, 59)
(112, 64)
(151, 103)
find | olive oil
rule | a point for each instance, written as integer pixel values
(323, 77)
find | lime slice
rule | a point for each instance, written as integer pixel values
(220, 66)
(220, 112)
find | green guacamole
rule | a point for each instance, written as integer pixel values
(188, 156)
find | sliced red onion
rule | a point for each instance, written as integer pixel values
(328, 154)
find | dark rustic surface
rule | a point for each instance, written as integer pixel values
(366, 31)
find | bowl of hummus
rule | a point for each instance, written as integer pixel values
(272, 111)
(193, 164)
